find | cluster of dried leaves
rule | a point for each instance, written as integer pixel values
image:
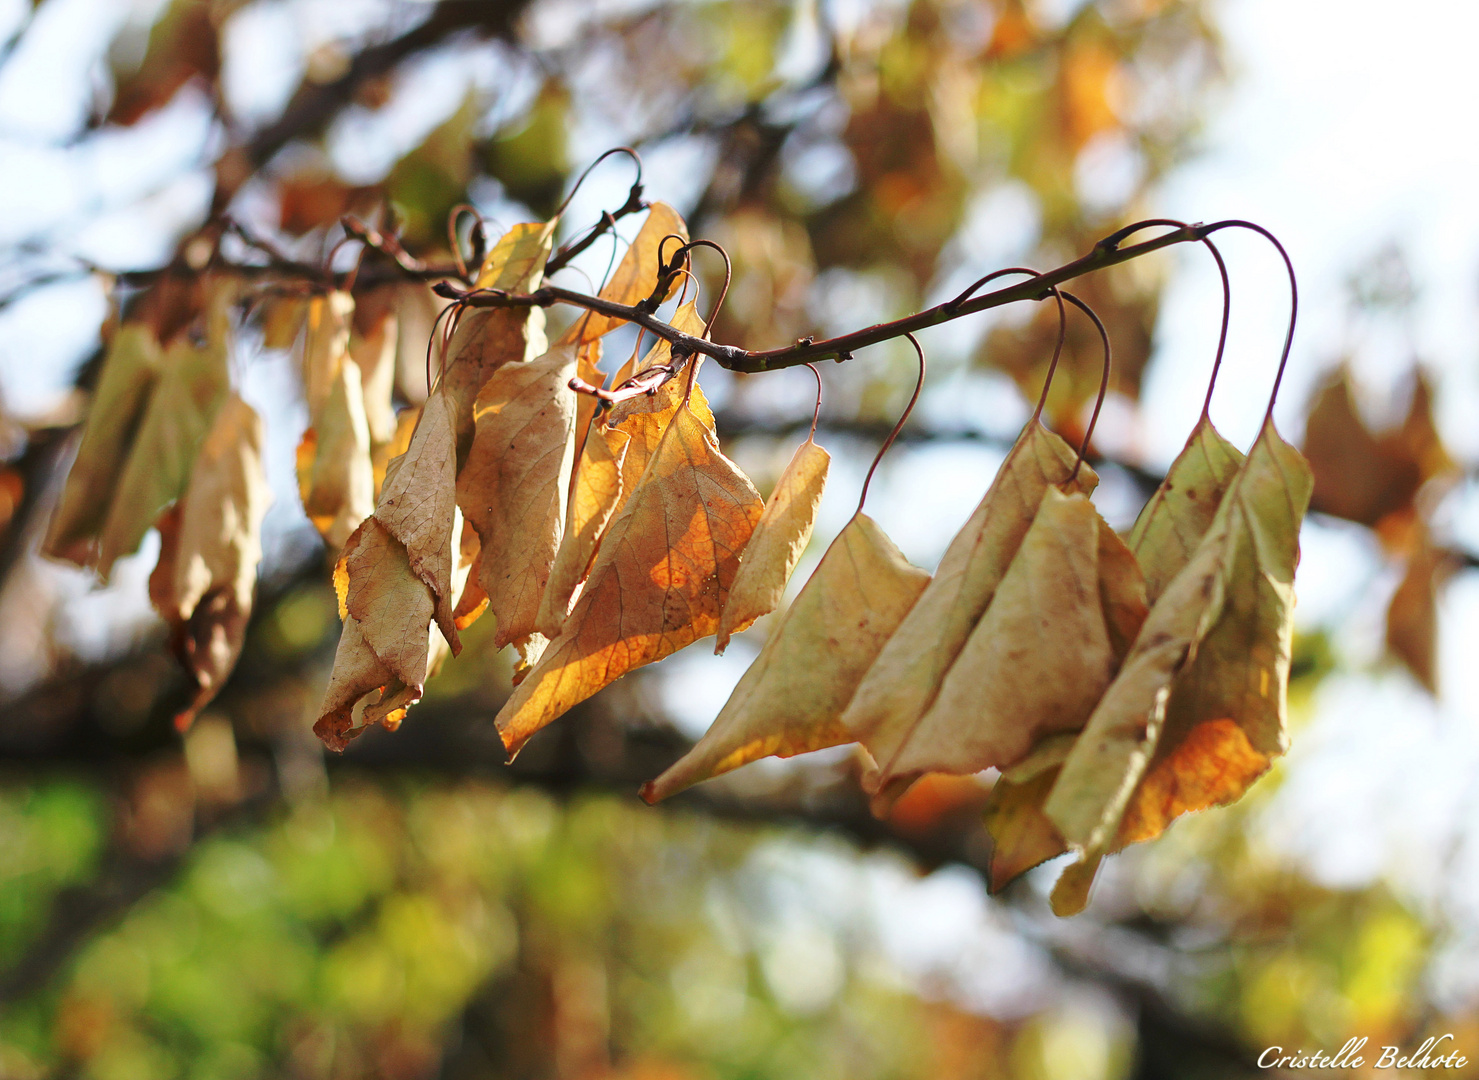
(169, 444)
(1115, 683)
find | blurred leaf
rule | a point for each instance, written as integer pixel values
(429, 181)
(531, 162)
(182, 46)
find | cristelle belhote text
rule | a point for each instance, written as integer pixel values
(1436, 1052)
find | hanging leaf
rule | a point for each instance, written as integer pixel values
(635, 276)
(661, 577)
(1037, 662)
(129, 373)
(903, 681)
(373, 342)
(192, 384)
(384, 602)
(204, 582)
(667, 396)
(779, 540)
(488, 338)
(594, 495)
(1174, 520)
(417, 506)
(336, 476)
(791, 699)
(1364, 477)
(514, 485)
(1412, 615)
(1227, 617)
(325, 345)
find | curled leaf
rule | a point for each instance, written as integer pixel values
(791, 699)
(336, 475)
(779, 540)
(127, 379)
(635, 276)
(661, 577)
(514, 485)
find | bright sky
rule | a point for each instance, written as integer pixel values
(1345, 127)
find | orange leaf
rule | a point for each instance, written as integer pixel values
(779, 540)
(635, 276)
(661, 577)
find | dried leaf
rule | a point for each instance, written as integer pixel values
(1213, 764)
(1227, 615)
(336, 477)
(635, 276)
(207, 568)
(1035, 665)
(1177, 516)
(595, 491)
(1412, 615)
(385, 644)
(903, 681)
(488, 338)
(779, 540)
(661, 577)
(373, 344)
(667, 396)
(191, 387)
(1364, 477)
(791, 699)
(1022, 836)
(325, 346)
(282, 318)
(418, 503)
(1071, 892)
(128, 376)
(514, 485)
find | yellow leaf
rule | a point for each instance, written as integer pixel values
(191, 387)
(336, 476)
(595, 492)
(1225, 620)
(128, 376)
(1035, 665)
(418, 503)
(903, 681)
(488, 338)
(1022, 836)
(514, 484)
(587, 361)
(790, 700)
(373, 345)
(1211, 766)
(667, 397)
(661, 576)
(636, 274)
(282, 319)
(1173, 522)
(779, 540)
(207, 570)
(325, 345)
(1071, 893)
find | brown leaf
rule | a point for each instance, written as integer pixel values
(514, 485)
(660, 579)
(791, 699)
(1224, 620)
(385, 644)
(1035, 665)
(903, 681)
(282, 319)
(488, 338)
(191, 387)
(127, 379)
(207, 568)
(417, 505)
(1364, 477)
(636, 275)
(1022, 836)
(595, 492)
(1412, 615)
(779, 540)
(1071, 892)
(336, 476)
